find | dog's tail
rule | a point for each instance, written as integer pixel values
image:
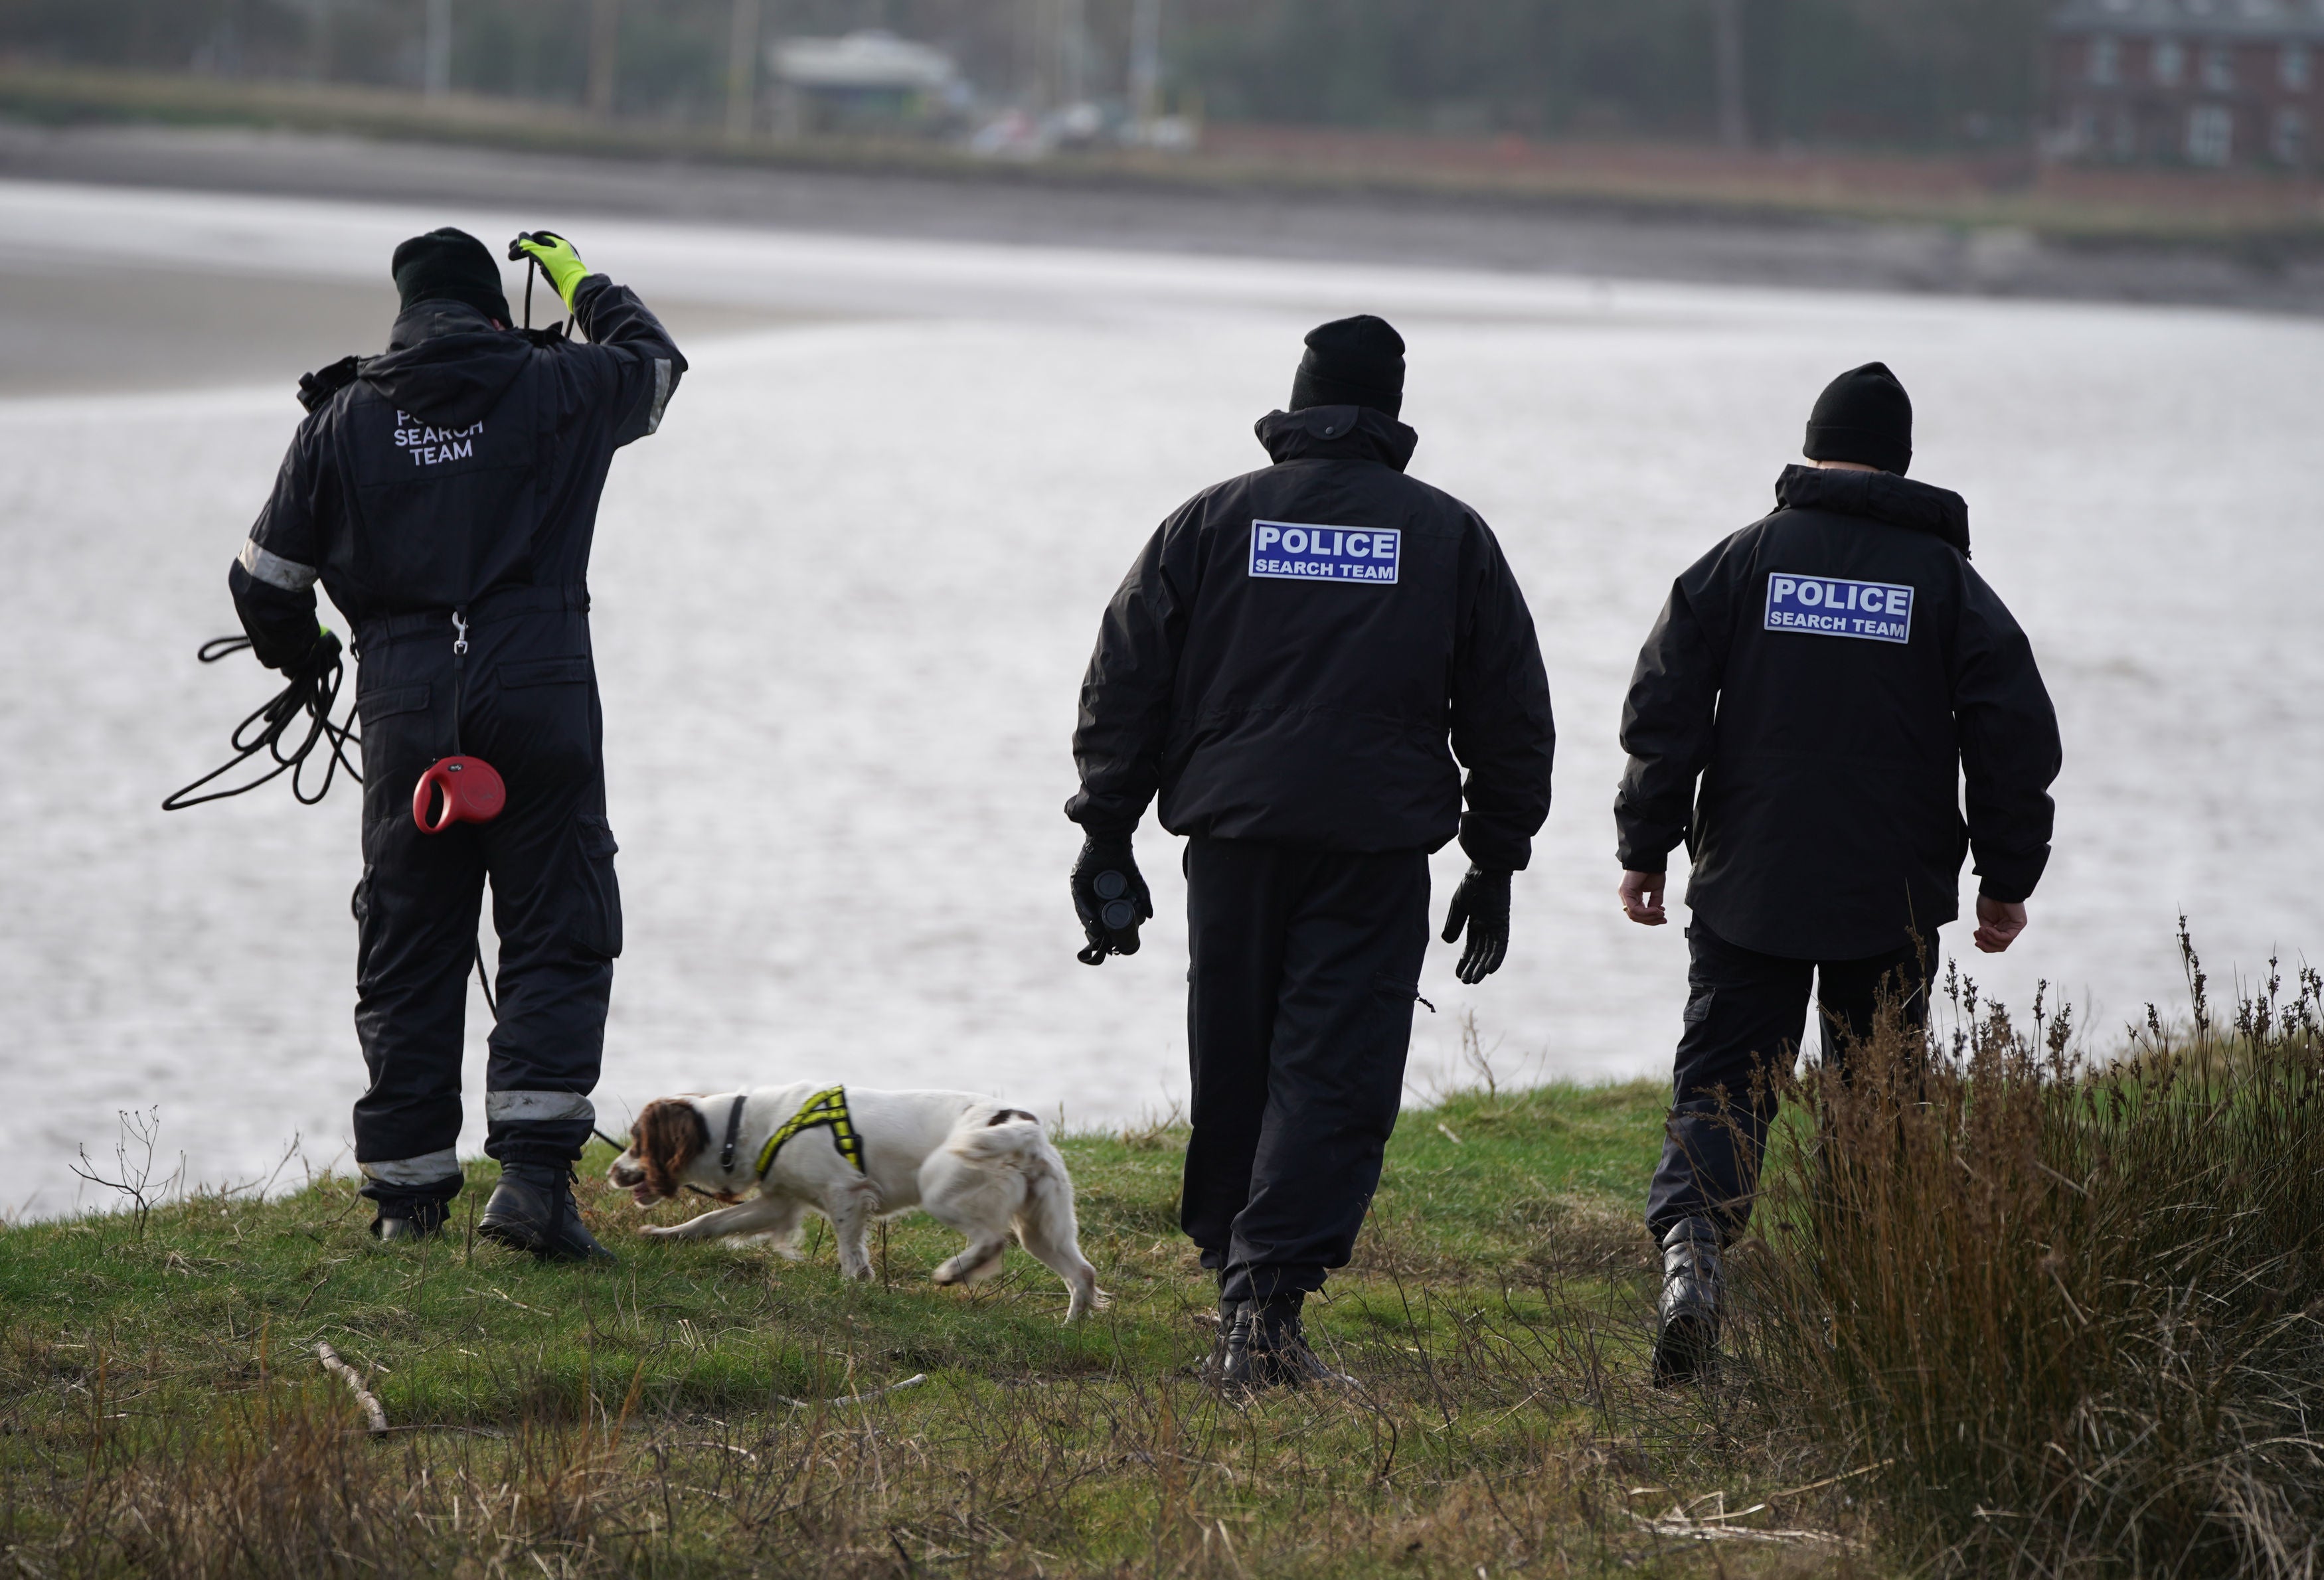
(997, 1135)
(1045, 1220)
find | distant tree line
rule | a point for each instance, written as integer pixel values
(1924, 73)
(1913, 72)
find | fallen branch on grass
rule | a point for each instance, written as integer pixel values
(1831, 1481)
(443, 1426)
(913, 1381)
(373, 1413)
(1681, 1527)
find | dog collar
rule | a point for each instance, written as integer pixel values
(734, 1129)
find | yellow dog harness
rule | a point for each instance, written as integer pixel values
(825, 1108)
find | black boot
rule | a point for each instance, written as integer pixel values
(1686, 1337)
(406, 1222)
(1267, 1348)
(531, 1209)
(1214, 1368)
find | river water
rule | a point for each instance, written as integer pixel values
(844, 597)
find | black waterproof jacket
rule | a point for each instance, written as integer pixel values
(464, 462)
(1301, 653)
(1832, 674)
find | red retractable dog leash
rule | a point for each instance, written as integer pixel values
(471, 788)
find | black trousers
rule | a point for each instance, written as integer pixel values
(1746, 1020)
(1299, 1018)
(528, 707)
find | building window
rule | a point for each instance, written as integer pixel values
(2169, 62)
(2219, 68)
(2293, 67)
(2291, 139)
(2105, 61)
(2082, 130)
(2211, 135)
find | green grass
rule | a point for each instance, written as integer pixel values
(163, 1412)
(2009, 1312)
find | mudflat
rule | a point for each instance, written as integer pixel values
(1597, 238)
(77, 328)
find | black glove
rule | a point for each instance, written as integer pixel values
(1482, 903)
(321, 659)
(1110, 897)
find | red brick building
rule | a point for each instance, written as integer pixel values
(2200, 82)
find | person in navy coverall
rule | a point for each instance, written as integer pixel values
(445, 495)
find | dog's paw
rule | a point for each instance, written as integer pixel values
(660, 1231)
(959, 1270)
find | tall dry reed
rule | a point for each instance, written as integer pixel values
(2062, 1316)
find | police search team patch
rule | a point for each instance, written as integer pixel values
(1293, 552)
(1829, 606)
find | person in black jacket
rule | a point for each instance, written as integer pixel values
(445, 495)
(1830, 676)
(1294, 663)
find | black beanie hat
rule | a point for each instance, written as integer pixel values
(449, 265)
(1863, 416)
(1351, 362)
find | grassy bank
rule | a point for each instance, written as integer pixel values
(163, 1412)
(2003, 1312)
(2247, 214)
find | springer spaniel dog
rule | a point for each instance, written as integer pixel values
(853, 1155)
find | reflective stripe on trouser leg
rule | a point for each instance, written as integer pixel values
(415, 1173)
(538, 1108)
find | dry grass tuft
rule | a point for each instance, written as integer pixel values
(2069, 1310)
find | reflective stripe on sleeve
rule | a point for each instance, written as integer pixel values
(427, 1169)
(521, 1108)
(274, 570)
(661, 393)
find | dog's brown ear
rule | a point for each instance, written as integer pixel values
(667, 1136)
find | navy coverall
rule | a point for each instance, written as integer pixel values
(454, 481)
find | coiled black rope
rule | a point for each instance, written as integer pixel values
(314, 694)
(311, 694)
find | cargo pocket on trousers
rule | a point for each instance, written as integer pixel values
(388, 701)
(1397, 995)
(598, 919)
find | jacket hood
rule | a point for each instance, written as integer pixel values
(1877, 496)
(1337, 432)
(445, 360)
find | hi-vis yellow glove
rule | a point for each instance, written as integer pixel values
(556, 258)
